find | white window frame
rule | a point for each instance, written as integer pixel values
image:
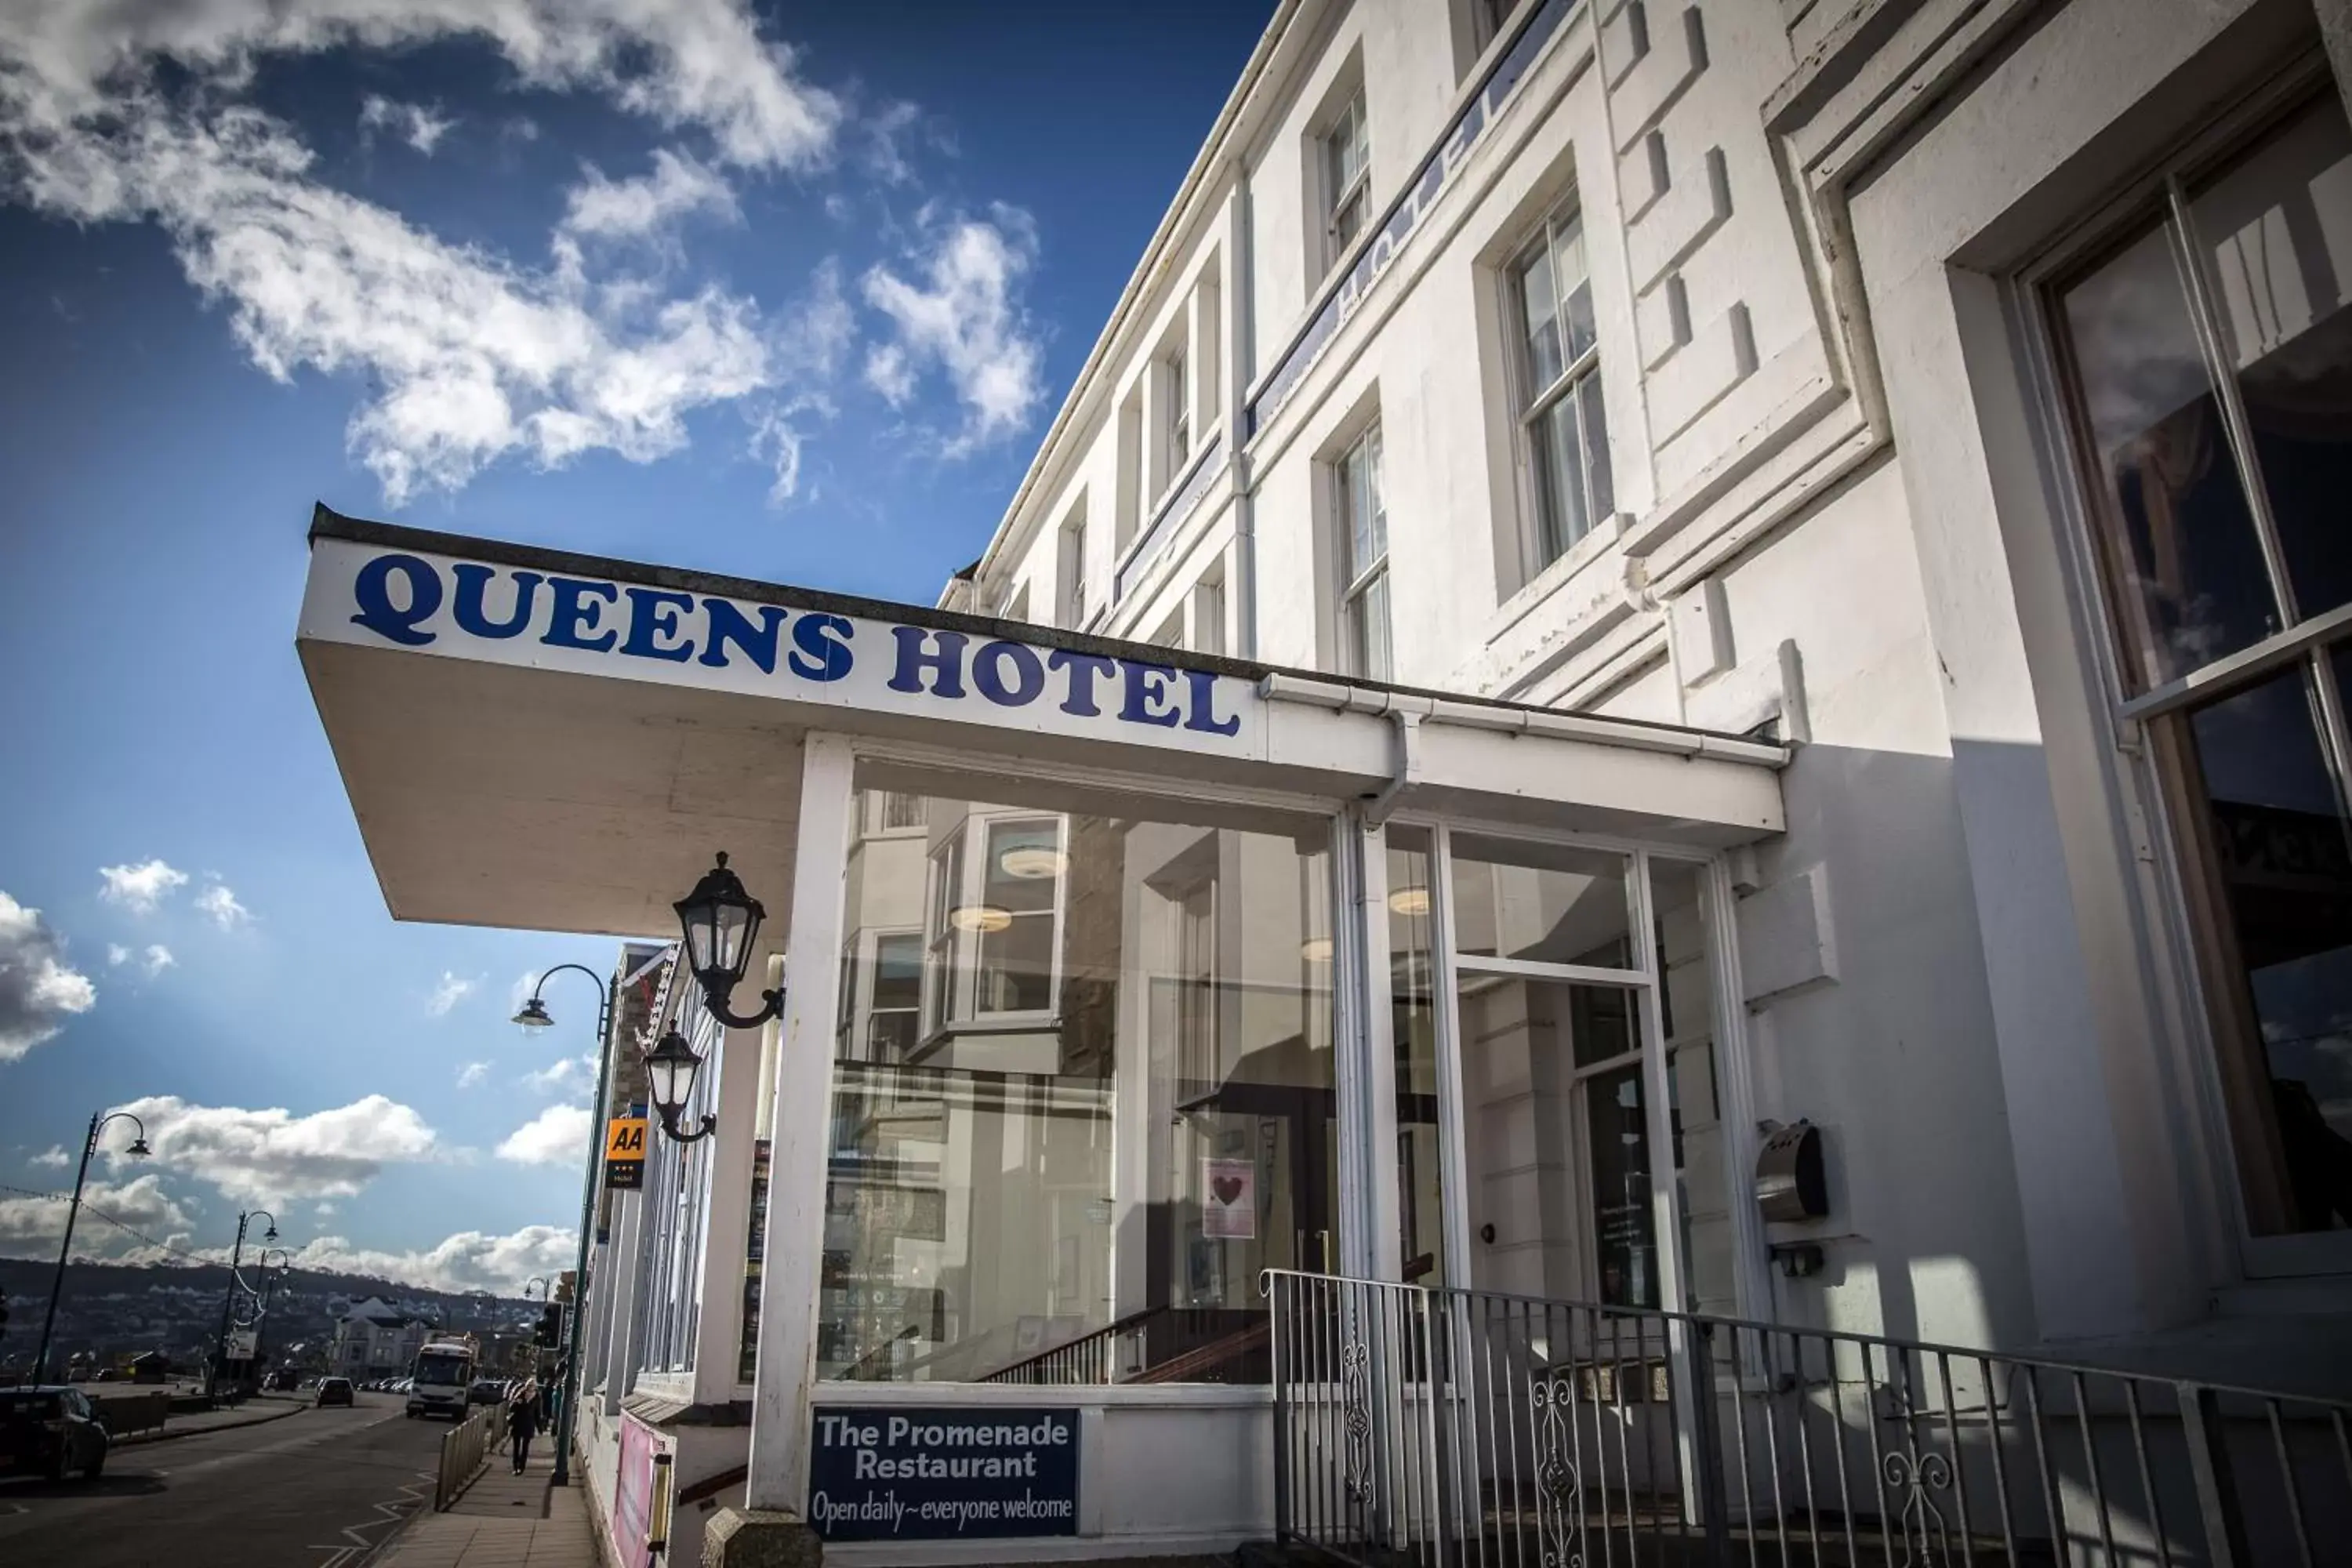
(958, 950)
(1532, 403)
(873, 819)
(1176, 384)
(1073, 574)
(1343, 193)
(2158, 199)
(1350, 470)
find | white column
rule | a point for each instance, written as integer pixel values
(795, 1238)
(1382, 1248)
(628, 1263)
(719, 1331)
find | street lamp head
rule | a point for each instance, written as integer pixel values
(139, 1149)
(271, 1234)
(534, 1016)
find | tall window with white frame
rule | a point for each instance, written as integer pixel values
(1563, 430)
(2205, 357)
(1073, 573)
(1346, 178)
(1176, 382)
(1363, 521)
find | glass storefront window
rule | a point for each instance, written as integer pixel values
(1413, 999)
(1542, 902)
(1113, 1106)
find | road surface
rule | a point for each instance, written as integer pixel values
(319, 1489)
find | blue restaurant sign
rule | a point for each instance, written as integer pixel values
(900, 1472)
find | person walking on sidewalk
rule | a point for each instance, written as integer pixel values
(522, 1423)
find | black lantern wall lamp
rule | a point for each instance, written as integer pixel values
(720, 921)
(718, 929)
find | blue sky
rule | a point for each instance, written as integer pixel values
(789, 292)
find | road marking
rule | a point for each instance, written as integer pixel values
(412, 1496)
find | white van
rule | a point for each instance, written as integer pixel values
(439, 1377)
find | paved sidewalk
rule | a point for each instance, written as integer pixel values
(503, 1520)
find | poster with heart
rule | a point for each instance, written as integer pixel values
(1229, 1199)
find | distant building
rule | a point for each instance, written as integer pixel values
(376, 1338)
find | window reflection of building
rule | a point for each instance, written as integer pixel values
(2206, 356)
(1073, 958)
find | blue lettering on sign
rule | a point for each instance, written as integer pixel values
(397, 596)
(1147, 685)
(577, 612)
(657, 625)
(987, 674)
(728, 624)
(821, 647)
(1078, 701)
(946, 665)
(467, 606)
(398, 623)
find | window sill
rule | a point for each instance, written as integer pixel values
(1539, 590)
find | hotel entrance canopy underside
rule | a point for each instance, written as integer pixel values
(544, 740)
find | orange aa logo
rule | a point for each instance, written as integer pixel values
(625, 1138)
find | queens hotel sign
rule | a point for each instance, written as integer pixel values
(372, 596)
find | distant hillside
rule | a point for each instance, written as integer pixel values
(23, 1277)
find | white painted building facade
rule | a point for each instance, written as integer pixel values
(1715, 565)
(1831, 280)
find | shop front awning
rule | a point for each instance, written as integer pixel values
(547, 741)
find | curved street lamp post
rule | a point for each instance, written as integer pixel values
(73, 1210)
(268, 1287)
(534, 1016)
(229, 1296)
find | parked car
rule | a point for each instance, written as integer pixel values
(50, 1430)
(334, 1391)
(486, 1391)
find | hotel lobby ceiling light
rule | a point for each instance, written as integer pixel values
(1409, 901)
(981, 918)
(1032, 862)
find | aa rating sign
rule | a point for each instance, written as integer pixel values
(624, 1153)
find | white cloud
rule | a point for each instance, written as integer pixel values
(217, 902)
(158, 959)
(38, 990)
(141, 1204)
(261, 1155)
(570, 1077)
(469, 1260)
(140, 887)
(53, 1156)
(556, 1136)
(468, 356)
(636, 208)
(322, 1208)
(678, 62)
(117, 955)
(414, 123)
(883, 154)
(959, 312)
(472, 1073)
(778, 437)
(452, 990)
